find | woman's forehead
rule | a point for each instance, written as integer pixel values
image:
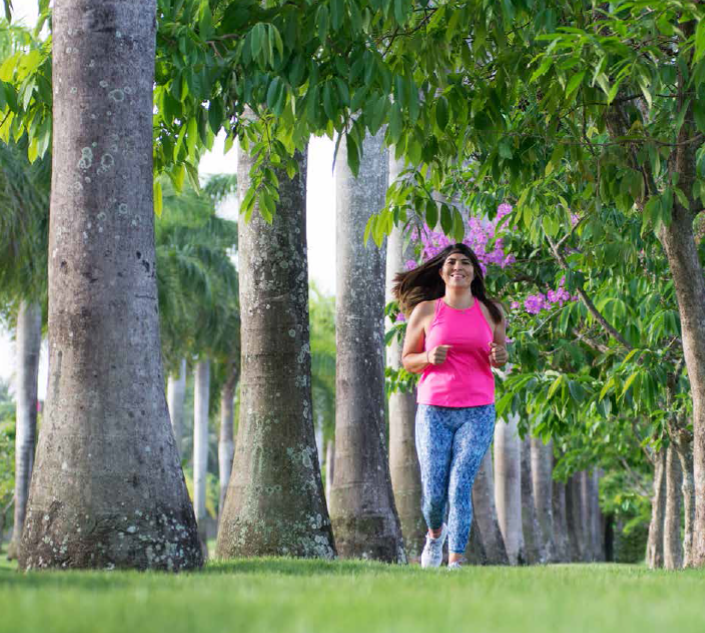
(458, 255)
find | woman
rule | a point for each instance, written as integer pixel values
(455, 334)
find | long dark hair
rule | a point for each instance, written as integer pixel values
(424, 283)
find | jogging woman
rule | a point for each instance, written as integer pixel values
(455, 334)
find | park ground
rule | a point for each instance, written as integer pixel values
(284, 595)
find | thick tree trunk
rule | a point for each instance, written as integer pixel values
(560, 523)
(226, 439)
(654, 546)
(542, 479)
(574, 519)
(686, 460)
(597, 517)
(28, 345)
(362, 505)
(201, 404)
(533, 542)
(275, 504)
(403, 461)
(176, 389)
(485, 514)
(107, 490)
(507, 476)
(672, 543)
(476, 554)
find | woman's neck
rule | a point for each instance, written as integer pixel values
(459, 298)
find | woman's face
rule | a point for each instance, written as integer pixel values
(458, 271)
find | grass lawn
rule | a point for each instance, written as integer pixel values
(280, 596)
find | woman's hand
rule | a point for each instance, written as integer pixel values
(438, 355)
(498, 354)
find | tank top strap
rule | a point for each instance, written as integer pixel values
(439, 302)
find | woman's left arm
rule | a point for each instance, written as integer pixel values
(498, 347)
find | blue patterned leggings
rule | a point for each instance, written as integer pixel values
(451, 443)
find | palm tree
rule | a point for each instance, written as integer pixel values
(24, 194)
(362, 506)
(275, 504)
(107, 464)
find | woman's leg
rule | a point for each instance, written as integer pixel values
(434, 441)
(470, 444)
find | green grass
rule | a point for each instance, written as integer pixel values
(280, 596)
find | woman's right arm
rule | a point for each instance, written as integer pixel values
(413, 356)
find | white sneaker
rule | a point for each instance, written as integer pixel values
(456, 565)
(432, 555)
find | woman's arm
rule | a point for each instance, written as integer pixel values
(413, 357)
(498, 347)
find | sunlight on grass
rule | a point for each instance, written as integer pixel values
(284, 595)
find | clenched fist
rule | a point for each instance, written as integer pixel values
(498, 354)
(438, 355)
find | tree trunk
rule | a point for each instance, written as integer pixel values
(654, 546)
(485, 514)
(574, 519)
(533, 542)
(598, 519)
(362, 506)
(542, 479)
(476, 554)
(560, 523)
(107, 490)
(681, 251)
(507, 476)
(330, 468)
(586, 514)
(686, 459)
(275, 504)
(201, 404)
(176, 389)
(28, 345)
(672, 543)
(403, 461)
(226, 440)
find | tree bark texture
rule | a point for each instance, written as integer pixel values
(589, 535)
(362, 506)
(403, 461)
(485, 514)
(598, 520)
(226, 439)
(533, 540)
(542, 479)
(275, 504)
(201, 404)
(28, 342)
(654, 545)
(507, 476)
(686, 459)
(330, 468)
(475, 552)
(176, 389)
(672, 543)
(574, 518)
(560, 523)
(107, 490)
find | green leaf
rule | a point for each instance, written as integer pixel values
(337, 9)
(257, 37)
(554, 387)
(629, 381)
(574, 83)
(431, 214)
(446, 219)
(699, 42)
(215, 114)
(442, 112)
(322, 23)
(267, 208)
(353, 154)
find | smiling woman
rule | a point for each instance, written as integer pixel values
(454, 337)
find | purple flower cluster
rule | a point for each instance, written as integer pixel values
(534, 304)
(478, 235)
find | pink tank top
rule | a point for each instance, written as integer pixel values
(465, 378)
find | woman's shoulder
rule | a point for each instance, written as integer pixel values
(423, 309)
